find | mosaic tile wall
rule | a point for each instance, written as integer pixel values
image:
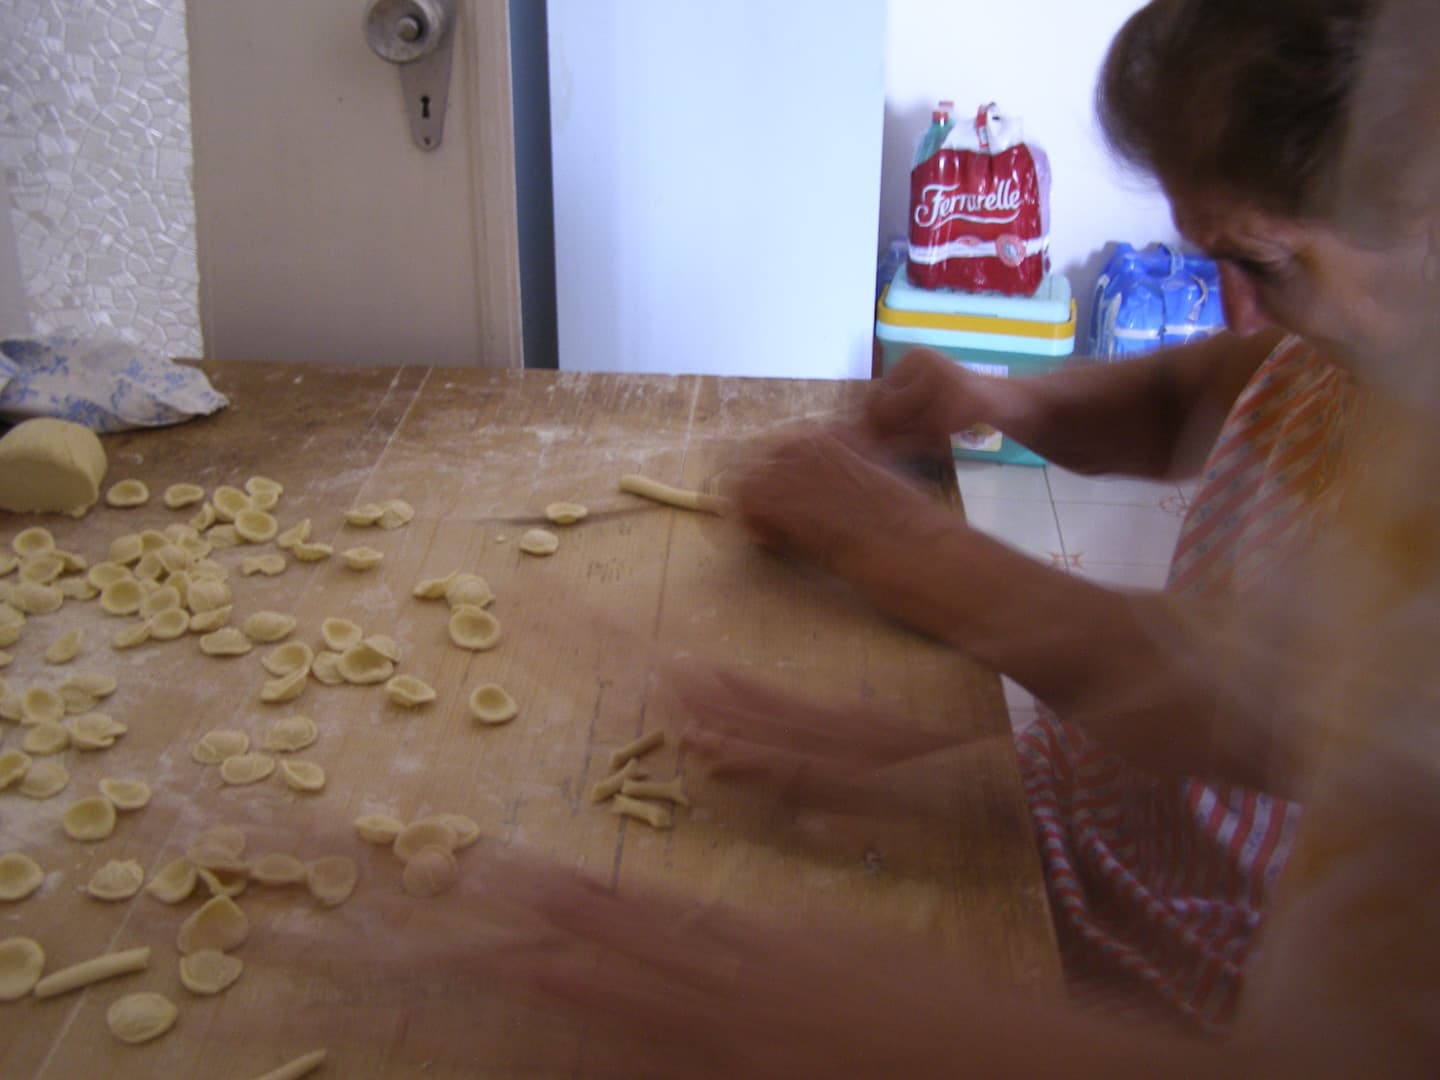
(95, 144)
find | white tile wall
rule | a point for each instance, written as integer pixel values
(95, 145)
(1119, 532)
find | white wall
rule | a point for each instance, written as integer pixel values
(1038, 59)
(716, 171)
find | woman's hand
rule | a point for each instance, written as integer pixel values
(819, 497)
(924, 399)
(814, 756)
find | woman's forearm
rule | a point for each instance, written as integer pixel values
(1123, 665)
(1156, 415)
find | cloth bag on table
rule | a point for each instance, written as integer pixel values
(105, 384)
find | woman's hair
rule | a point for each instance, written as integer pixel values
(1242, 97)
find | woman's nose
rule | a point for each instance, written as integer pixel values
(1243, 313)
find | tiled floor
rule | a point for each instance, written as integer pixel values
(1116, 531)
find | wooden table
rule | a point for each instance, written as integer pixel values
(480, 454)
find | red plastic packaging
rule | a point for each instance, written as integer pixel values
(979, 214)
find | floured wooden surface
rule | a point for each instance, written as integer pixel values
(480, 455)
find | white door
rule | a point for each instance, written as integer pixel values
(325, 234)
(717, 184)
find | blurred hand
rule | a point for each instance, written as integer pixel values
(818, 496)
(805, 754)
(925, 398)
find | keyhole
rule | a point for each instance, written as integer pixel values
(425, 107)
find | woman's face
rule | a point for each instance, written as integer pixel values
(1303, 276)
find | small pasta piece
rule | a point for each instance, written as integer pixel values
(33, 542)
(361, 558)
(312, 552)
(285, 688)
(89, 972)
(566, 513)
(430, 872)
(219, 924)
(291, 657)
(637, 747)
(365, 515)
(125, 795)
(295, 534)
(474, 628)
(227, 641)
(277, 868)
(268, 626)
(127, 494)
(209, 971)
(255, 526)
(20, 876)
(656, 815)
(248, 768)
(539, 542)
(174, 882)
(118, 879)
(341, 634)
(269, 564)
(229, 501)
(65, 648)
(180, 495)
(409, 692)
(302, 775)
(91, 818)
(491, 704)
(331, 879)
(44, 780)
(215, 746)
(291, 734)
(378, 828)
(141, 1017)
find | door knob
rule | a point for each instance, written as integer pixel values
(417, 35)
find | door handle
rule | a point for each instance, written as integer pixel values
(418, 36)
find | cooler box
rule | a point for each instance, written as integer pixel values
(1004, 336)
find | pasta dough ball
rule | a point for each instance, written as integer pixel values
(127, 494)
(50, 466)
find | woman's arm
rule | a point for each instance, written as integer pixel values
(1135, 669)
(1156, 415)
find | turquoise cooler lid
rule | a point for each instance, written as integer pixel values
(1050, 304)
